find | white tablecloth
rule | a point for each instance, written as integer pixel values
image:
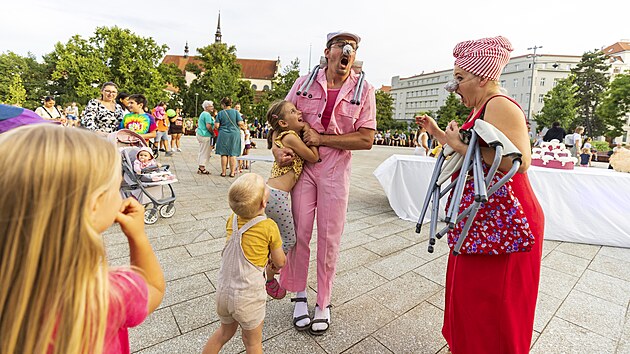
(585, 205)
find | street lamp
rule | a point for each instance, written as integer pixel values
(196, 105)
(531, 83)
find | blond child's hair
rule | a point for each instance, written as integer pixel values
(246, 195)
(54, 291)
(586, 150)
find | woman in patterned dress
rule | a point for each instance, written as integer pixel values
(490, 300)
(103, 114)
(229, 123)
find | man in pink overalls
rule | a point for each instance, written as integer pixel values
(338, 125)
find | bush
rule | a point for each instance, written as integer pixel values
(602, 146)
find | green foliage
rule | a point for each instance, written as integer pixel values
(31, 75)
(79, 67)
(17, 92)
(559, 105)
(385, 111)
(453, 109)
(615, 105)
(591, 80)
(221, 77)
(600, 145)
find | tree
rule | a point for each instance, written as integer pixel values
(219, 77)
(591, 80)
(559, 105)
(615, 105)
(17, 92)
(79, 67)
(31, 74)
(384, 110)
(453, 109)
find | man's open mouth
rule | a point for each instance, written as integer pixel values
(345, 60)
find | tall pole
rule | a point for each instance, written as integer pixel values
(196, 105)
(531, 84)
(310, 48)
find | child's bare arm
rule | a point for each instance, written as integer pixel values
(131, 220)
(299, 147)
(278, 258)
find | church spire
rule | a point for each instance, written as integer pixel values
(217, 35)
(186, 50)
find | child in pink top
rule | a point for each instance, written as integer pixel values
(59, 295)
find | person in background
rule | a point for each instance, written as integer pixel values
(577, 141)
(421, 142)
(138, 120)
(229, 123)
(72, 113)
(103, 114)
(586, 157)
(161, 135)
(556, 132)
(490, 300)
(56, 202)
(205, 136)
(175, 128)
(123, 100)
(49, 112)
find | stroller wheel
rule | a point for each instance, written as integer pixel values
(166, 211)
(150, 216)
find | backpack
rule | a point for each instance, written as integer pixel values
(568, 139)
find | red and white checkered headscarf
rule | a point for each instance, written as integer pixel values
(484, 57)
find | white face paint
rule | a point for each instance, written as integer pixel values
(347, 49)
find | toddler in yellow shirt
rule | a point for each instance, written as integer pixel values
(252, 239)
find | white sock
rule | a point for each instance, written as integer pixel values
(301, 308)
(321, 314)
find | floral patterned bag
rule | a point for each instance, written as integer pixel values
(500, 225)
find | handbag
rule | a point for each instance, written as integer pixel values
(500, 225)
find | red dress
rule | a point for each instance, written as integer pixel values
(490, 300)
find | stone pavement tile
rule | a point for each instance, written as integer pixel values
(388, 245)
(169, 241)
(382, 208)
(384, 218)
(206, 247)
(158, 327)
(193, 342)
(615, 252)
(561, 336)
(434, 270)
(438, 299)
(195, 313)
(352, 322)
(417, 331)
(184, 289)
(410, 234)
(546, 307)
(353, 283)
(604, 286)
(422, 250)
(555, 283)
(201, 215)
(190, 266)
(595, 314)
(353, 239)
(353, 258)
(579, 249)
(368, 345)
(160, 229)
(548, 246)
(292, 342)
(279, 316)
(119, 250)
(181, 216)
(405, 292)
(624, 341)
(114, 238)
(205, 236)
(444, 350)
(353, 215)
(396, 265)
(565, 263)
(614, 267)
(214, 225)
(351, 226)
(384, 230)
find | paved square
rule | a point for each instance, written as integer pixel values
(388, 295)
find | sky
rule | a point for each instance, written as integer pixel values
(399, 38)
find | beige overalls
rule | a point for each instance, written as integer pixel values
(241, 292)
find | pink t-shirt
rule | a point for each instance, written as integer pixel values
(131, 309)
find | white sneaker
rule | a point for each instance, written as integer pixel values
(178, 149)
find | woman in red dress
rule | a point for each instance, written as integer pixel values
(490, 300)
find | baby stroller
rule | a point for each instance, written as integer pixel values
(153, 187)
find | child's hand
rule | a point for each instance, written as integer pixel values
(131, 218)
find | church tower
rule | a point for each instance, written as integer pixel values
(186, 50)
(217, 35)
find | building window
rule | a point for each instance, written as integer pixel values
(502, 83)
(542, 81)
(515, 82)
(555, 82)
(541, 98)
(254, 87)
(517, 67)
(266, 88)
